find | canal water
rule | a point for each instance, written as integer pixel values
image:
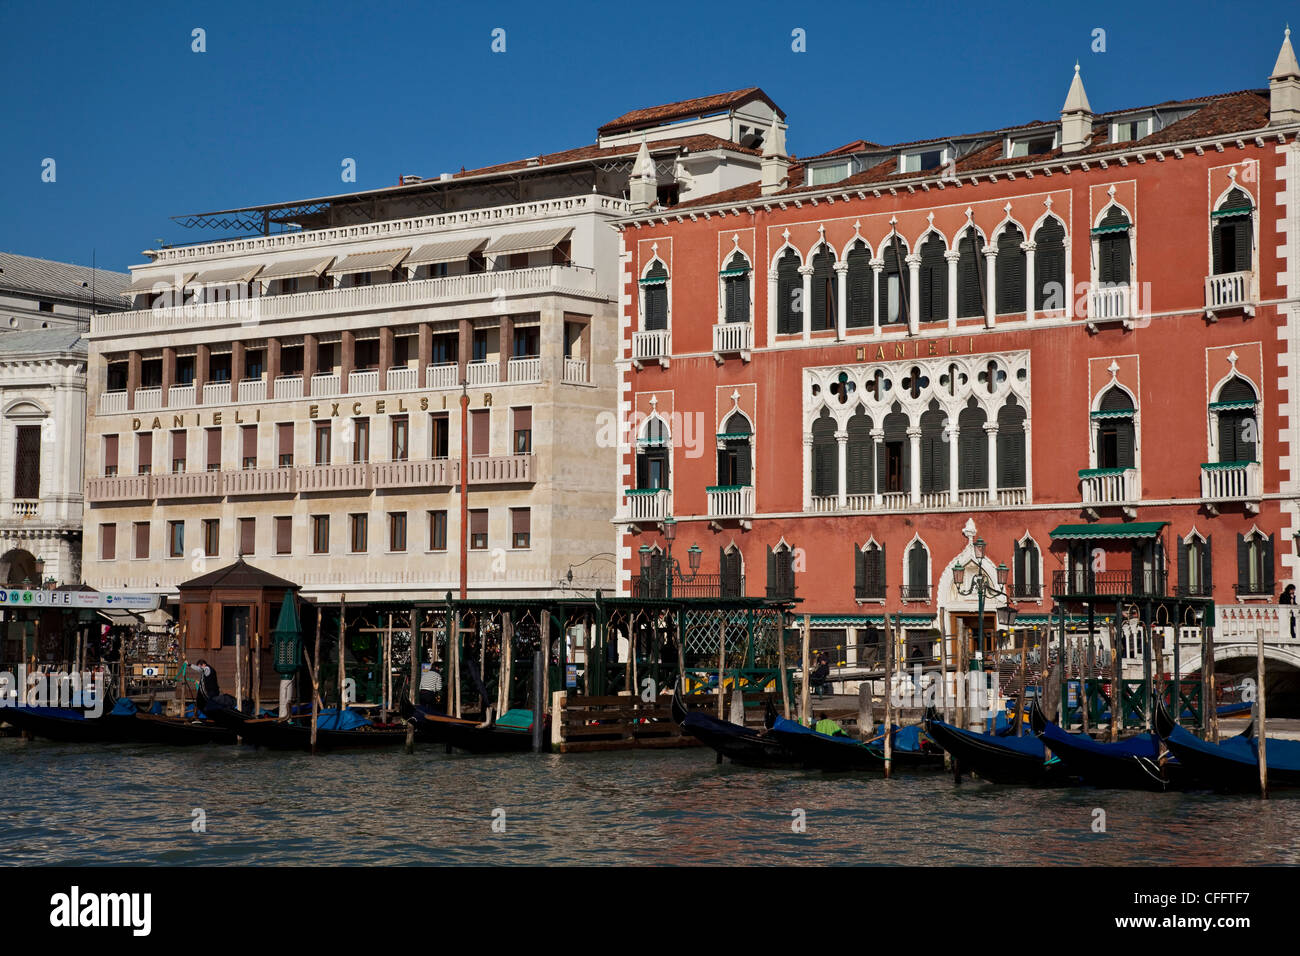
(116, 804)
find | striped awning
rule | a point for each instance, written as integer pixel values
(1234, 211)
(1107, 530)
(451, 251)
(384, 261)
(867, 620)
(1231, 406)
(148, 283)
(1120, 227)
(229, 276)
(295, 268)
(1113, 413)
(729, 273)
(653, 280)
(541, 241)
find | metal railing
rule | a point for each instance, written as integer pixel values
(325, 383)
(251, 390)
(402, 378)
(1084, 582)
(365, 380)
(482, 373)
(288, 386)
(915, 592)
(216, 393)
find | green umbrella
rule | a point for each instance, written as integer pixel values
(286, 638)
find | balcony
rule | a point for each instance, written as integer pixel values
(402, 379)
(363, 381)
(1110, 486)
(446, 375)
(733, 338)
(1083, 583)
(148, 399)
(215, 393)
(428, 473)
(325, 383)
(180, 396)
(650, 346)
(252, 390)
(119, 488)
(1232, 481)
(575, 371)
(699, 586)
(542, 280)
(308, 478)
(26, 509)
(112, 403)
(915, 593)
(646, 505)
(1110, 303)
(1231, 290)
(482, 373)
(524, 369)
(731, 503)
(258, 481)
(288, 386)
(198, 484)
(498, 470)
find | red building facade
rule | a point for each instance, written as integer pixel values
(1071, 340)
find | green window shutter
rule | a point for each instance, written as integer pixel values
(1124, 442)
(970, 276)
(1011, 447)
(918, 569)
(1049, 266)
(859, 462)
(1011, 273)
(656, 307)
(1113, 258)
(1183, 581)
(1031, 550)
(1207, 582)
(744, 462)
(788, 282)
(1018, 566)
(859, 572)
(1243, 565)
(1242, 235)
(859, 290)
(642, 471)
(1268, 565)
(972, 450)
(933, 281)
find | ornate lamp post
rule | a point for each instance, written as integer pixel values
(983, 587)
(671, 566)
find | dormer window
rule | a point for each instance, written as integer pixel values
(1031, 145)
(825, 175)
(923, 160)
(1129, 130)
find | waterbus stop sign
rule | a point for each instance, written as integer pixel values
(22, 599)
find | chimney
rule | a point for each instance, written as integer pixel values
(1284, 86)
(776, 164)
(643, 185)
(1076, 117)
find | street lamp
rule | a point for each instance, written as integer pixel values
(983, 587)
(39, 565)
(672, 566)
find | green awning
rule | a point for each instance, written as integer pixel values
(656, 280)
(1112, 413)
(728, 436)
(1234, 211)
(728, 273)
(1100, 230)
(1230, 406)
(1107, 530)
(867, 620)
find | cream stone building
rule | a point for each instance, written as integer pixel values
(293, 397)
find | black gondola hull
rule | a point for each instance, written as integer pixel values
(981, 755)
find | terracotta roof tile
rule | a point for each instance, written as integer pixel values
(682, 109)
(691, 144)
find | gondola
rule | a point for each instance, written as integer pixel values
(511, 733)
(741, 745)
(819, 751)
(996, 759)
(72, 725)
(348, 731)
(1132, 764)
(1233, 765)
(179, 731)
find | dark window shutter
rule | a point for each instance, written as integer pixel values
(1011, 272)
(1032, 558)
(642, 471)
(1136, 567)
(1049, 266)
(933, 281)
(1018, 568)
(972, 450)
(1242, 235)
(824, 292)
(918, 570)
(859, 470)
(1267, 577)
(859, 291)
(882, 571)
(859, 572)
(788, 282)
(1243, 565)
(971, 280)
(1183, 582)
(656, 307)
(771, 572)
(1124, 442)
(1113, 258)
(1223, 246)
(1207, 575)
(738, 298)
(27, 462)
(744, 453)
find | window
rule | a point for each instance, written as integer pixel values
(1049, 266)
(320, 534)
(151, 373)
(825, 175)
(934, 449)
(1127, 131)
(397, 531)
(45, 306)
(652, 457)
(211, 536)
(735, 290)
(254, 364)
(825, 457)
(185, 370)
(27, 461)
(895, 466)
(117, 375)
(1025, 574)
(1113, 253)
(478, 530)
(1115, 431)
(479, 346)
(860, 472)
(789, 294)
(360, 440)
(357, 532)
(1011, 445)
(736, 454)
(859, 278)
(825, 294)
(247, 535)
(972, 275)
(780, 573)
(1255, 563)
(1195, 577)
(891, 304)
(922, 161)
(291, 360)
(438, 436)
(654, 298)
(143, 453)
(527, 342)
(437, 531)
(400, 438)
(284, 444)
(520, 528)
(178, 451)
(107, 542)
(322, 444)
(284, 535)
(1148, 562)
(248, 447)
(869, 572)
(934, 280)
(972, 448)
(917, 587)
(219, 368)
(212, 438)
(523, 430)
(110, 455)
(480, 432)
(731, 572)
(141, 540)
(1232, 239)
(1010, 272)
(446, 349)
(1238, 428)
(1031, 146)
(365, 354)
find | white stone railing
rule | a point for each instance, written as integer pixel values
(353, 477)
(364, 381)
(288, 386)
(442, 376)
(1013, 496)
(1228, 291)
(650, 346)
(733, 337)
(185, 484)
(216, 393)
(148, 399)
(1110, 303)
(731, 501)
(822, 504)
(391, 295)
(402, 378)
(859, 502)
(935, 499)
(1106, 486)
(973, 497)
(482, 373)
(575, 370)
(180, 396)
(26, 509)
(1241, 624)
(258, 481)
(524, 370)
(252, 390)
(647, 504)
(497, 469)
(111, 403)
(1222, 481)
(325, 383)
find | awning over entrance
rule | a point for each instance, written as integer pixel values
(1119, 530)
(866, 620)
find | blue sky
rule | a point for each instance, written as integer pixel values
(142, 128)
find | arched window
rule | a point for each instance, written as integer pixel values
(972, 448)
(859, 279)
(917, 585)
(859, 470)
(895, 453)
(825, 457)
(1232, 233)
(1238, 428)
(825, 294)
(1113, 254)
(934, 450)
(735, 453)
(891, 298)
(1049, 266)
(731, 569)
(1026, 574)
(1115, 432)
(653, 454)
(654, 289)
(789, 293)
(1011, 445)
(1011, 271)
(972, 279)
(1195, 570)
(934, 280)
(735, 284)
(1255, 563)
(869, 572)
(780, 572)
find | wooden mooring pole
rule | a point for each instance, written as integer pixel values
(889, 698)
(805, 702)
(415, 676)
(539, 698)
(1261, 718)
(722, 661)
(315, 689)
(784, 675)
